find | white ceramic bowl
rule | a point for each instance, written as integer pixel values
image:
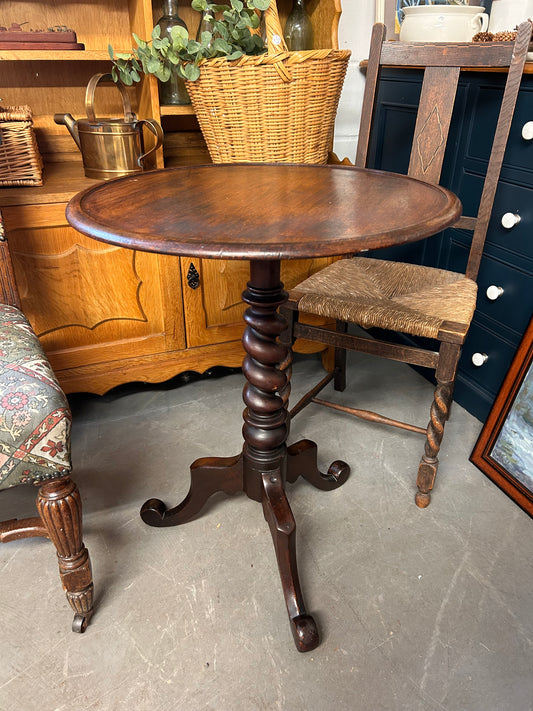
(442, 23)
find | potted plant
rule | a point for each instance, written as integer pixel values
(254, 100)
(233, 34)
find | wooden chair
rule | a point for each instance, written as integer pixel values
(35, 423)
(407, 298)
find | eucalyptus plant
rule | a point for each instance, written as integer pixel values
(233, 34)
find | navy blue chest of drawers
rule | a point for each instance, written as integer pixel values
(505, 297)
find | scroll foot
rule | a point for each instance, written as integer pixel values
(208, 475)
(302, 461)
(282, 526)
(305, 633)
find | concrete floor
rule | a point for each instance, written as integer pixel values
(418, 610)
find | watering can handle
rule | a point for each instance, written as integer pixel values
(156, 129)
(89, 97)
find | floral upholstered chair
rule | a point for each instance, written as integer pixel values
(35, 424)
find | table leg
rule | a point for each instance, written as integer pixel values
(265, 462)
(208, 475)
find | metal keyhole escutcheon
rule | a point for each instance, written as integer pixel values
(193, 278)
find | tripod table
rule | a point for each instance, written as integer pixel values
(263, 213)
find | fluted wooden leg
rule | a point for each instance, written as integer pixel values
(59, 506)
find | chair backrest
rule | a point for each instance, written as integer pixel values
(8, 286)
(442, 64)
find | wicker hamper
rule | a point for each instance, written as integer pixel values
(20, 161)
(276, 107)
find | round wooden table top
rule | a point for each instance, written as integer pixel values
(262, 211)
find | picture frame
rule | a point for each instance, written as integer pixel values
(504, 449)
(389, 12)
(386, 12)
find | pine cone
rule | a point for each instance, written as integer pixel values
(483, 37)
(506, 36)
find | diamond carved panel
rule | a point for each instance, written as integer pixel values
(430, 139)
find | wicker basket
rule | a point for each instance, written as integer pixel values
(20, 161)
(277, 107)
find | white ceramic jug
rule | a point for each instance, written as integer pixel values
(442, 23)
(507, 14)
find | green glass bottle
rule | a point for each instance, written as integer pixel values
(206, 25)
(172, 91)
(298, 31)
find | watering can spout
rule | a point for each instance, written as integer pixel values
(72, 125)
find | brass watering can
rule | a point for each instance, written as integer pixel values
(110, 147)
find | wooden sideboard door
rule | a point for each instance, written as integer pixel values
(89, 302)
(212, 291)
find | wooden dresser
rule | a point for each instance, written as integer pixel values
(106, 315)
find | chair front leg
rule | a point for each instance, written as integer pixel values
(429, 464)
(439, 413)
(59, 506)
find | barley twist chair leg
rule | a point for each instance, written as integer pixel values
(59, 506)
(429, 463)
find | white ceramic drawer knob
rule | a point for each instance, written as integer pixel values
(494, 292)
(510, 219)
(478, 359)
(527, 131)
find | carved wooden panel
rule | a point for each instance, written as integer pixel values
(433, 123)
(113, 296)
(87, 301)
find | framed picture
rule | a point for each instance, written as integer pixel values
(386, 13)
(390, 13)
(504, 450)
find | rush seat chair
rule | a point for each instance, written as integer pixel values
(405, 298)
(35, 426)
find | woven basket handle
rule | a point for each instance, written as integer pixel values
(274, 31)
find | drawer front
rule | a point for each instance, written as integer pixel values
(519, 152)
(510, 198)
(513, 308)
(499, 354)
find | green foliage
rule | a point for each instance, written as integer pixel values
(231, 37)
